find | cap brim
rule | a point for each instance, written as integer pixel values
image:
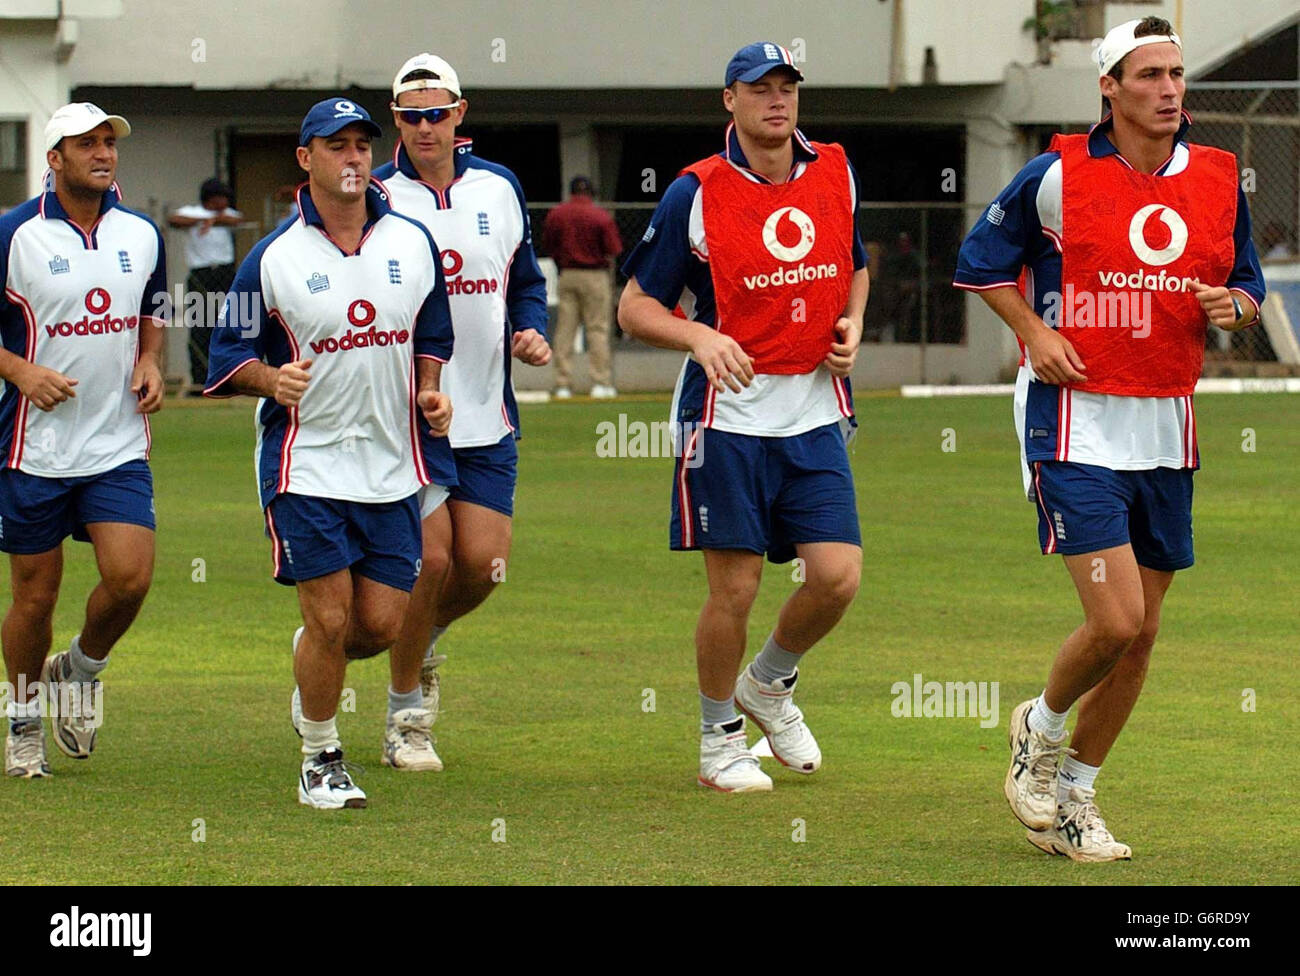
(763, 70)
(121, 129)
(328, 130)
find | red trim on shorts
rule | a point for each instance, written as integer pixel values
(684, 493)
(1038, 490)
(275, 543)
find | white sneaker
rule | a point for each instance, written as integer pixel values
(408, 744)
(1079, 832)
(773, 710)
(602, 392)
(25, 751)
(1030, 784)
(295, 703)
(562, 393)
(73, 705)
(430, 686)
(726, 764)
(326, 784)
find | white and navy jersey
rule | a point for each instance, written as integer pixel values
(480, 223)
(362, 318)
(74, 300)
(1023, 228)
(671, 264)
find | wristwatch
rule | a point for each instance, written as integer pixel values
(1236, 308)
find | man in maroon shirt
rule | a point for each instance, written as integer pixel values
(581, 238)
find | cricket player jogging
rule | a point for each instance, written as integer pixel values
(1131, 240)
(338, 320)
(81, 314)
(762, 237)
(475, 210)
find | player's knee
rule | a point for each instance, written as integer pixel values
(1115, 633)
(435, 561)
(35, 601)
(735, 595)
(129, 586)
(837, 585)
(329, 625)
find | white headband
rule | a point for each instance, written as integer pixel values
(1119, 41)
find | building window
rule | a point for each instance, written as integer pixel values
(13, 164)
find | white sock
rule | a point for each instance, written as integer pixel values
(83, 669)
(319, 736)
(1045, 721)
(1074, 774)
(433, 640)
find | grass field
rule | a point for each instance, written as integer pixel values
(543, 726)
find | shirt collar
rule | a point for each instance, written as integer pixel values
(1099, 143)
(52, 209)
(803, 150)
(463, 149)
(377, 204)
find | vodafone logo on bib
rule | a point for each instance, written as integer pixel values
(796, 223)
(1157, 234)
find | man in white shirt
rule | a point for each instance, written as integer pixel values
(338, 321)
(476, 212)
(84, 285)
(210, 257)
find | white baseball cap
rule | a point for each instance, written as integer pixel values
(80, 117)
(444, 75)
(1119, 41)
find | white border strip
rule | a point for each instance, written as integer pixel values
(1250, 384)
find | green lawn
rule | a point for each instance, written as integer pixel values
(543, 726)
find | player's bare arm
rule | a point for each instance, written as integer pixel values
(1222, 309)
(45, 387)
(1053, 358)
(285, 384)
(848, 327)
(725, 363)
(435, 404)
(529, 346)
(147, 378)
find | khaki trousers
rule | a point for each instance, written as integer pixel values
(586, 295)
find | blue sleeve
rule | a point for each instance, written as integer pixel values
(155, 302)
(997, 246)
(240, 334)
(1246, 276)
(526, 286)
(859, 252)
(660, 259)
(433, 331)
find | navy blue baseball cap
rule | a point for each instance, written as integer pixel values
(327, 117)
(753, 61)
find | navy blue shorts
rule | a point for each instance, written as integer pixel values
(1084, 508)
(487, 475)
(764, 494)
(313, 537)
(37, 513)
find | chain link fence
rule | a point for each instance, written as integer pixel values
(1260, 123)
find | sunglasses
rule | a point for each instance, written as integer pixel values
(434, 115)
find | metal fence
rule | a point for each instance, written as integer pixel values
(1260, 123)
(911, 254)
